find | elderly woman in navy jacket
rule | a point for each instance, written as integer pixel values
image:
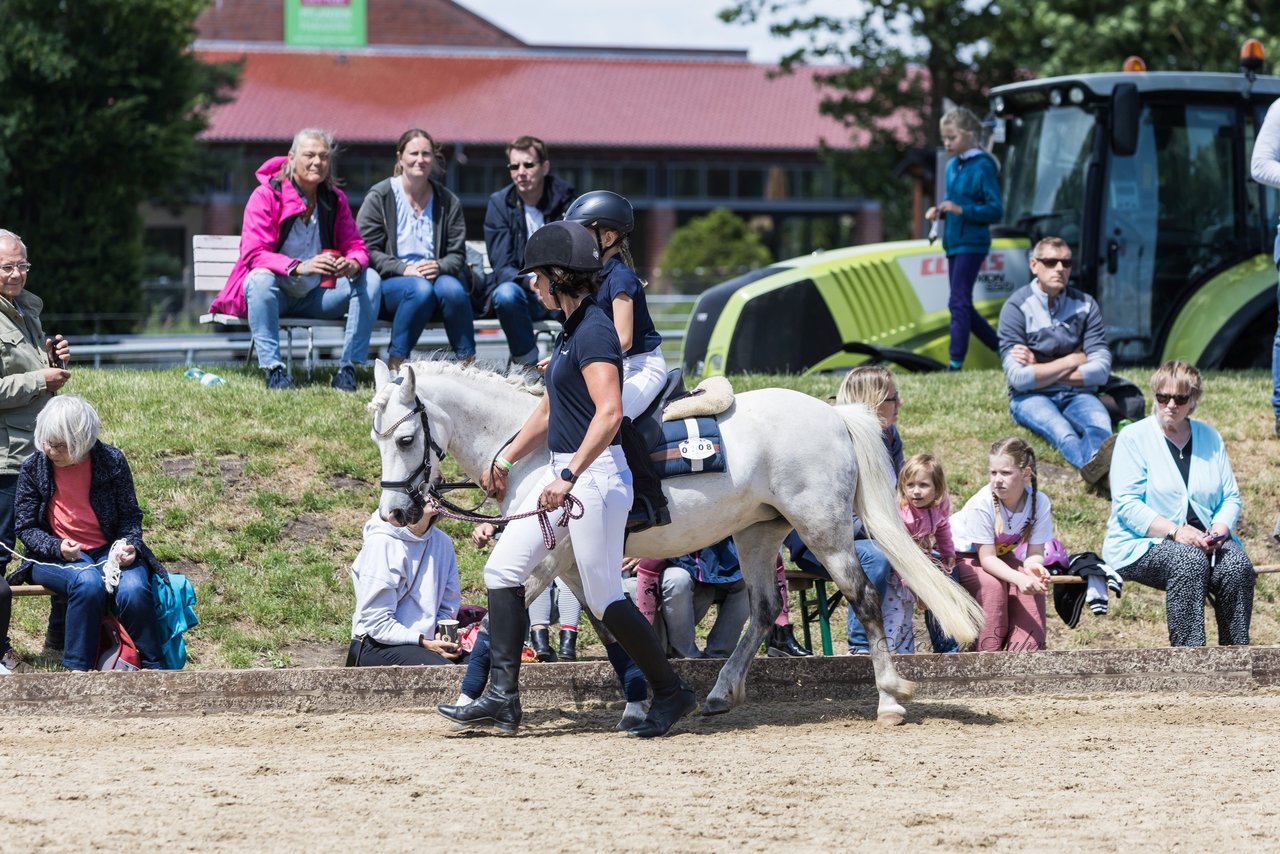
(75, 499)
(1174, 503)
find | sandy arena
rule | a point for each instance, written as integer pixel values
(1102, 772)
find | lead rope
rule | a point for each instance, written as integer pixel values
(544, 517)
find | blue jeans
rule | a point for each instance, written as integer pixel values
(874, 564)
(1275, 345)
(86, 596)
(8, 493)
(1073, 421)
(477, 675)
(411, 302)
(940, 640)
(517, 308)
(268, 298)
(962, 273)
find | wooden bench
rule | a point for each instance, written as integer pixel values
(31, 590)
(214, 255)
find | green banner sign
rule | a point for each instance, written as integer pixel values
(324, 23)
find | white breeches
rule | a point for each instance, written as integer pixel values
(643, 377)
(605, 492)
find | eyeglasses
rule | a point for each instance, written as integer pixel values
(1064, 263)
(895, 399)
(1180, 399)
(528, 165)
(10, 269)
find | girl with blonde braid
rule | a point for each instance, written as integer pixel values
(1007, 512)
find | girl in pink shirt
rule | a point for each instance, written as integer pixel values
(926, 511)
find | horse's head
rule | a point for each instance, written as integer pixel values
(411, 436)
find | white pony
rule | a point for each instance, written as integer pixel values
(791, 462)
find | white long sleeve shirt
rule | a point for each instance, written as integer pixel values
(403, 583)
(1266, 149)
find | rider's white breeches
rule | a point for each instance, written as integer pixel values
(605, 492)
(643, 377)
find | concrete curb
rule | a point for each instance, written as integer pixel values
(593, 685)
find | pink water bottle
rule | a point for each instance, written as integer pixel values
(329, 281)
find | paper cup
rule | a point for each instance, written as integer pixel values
(449, 628)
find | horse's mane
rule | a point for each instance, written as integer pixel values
(519, 377)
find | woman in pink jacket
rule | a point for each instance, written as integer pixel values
(301, 256)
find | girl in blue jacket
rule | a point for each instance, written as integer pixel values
(972, 203)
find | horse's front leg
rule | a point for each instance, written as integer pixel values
(558, 563)
(757, 551)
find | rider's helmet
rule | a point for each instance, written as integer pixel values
(566, 245)
(604, 209)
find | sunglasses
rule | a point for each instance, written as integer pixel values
(1064, 263)
(1180, 399)
(530, 166)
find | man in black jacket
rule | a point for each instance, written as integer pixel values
(535, 198)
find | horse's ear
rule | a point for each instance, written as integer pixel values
(408, 381)
(381, 374)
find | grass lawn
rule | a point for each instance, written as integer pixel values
(260, 498)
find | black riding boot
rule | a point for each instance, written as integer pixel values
(500, 705)
(649, 506)
(672, 698)
(540, 640)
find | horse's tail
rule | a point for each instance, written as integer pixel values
(875, 501)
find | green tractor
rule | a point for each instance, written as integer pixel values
(1145, 174)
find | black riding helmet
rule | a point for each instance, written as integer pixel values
(604, 209)
(566, 245)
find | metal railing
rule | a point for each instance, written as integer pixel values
(670, 314)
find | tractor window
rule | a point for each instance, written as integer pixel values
(1169, 220)
(1043, 175)
(785, 330)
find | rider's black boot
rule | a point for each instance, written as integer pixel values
(672, 698)
(649, 507)
(499, 706)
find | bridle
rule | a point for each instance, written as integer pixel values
(408, 486)
(420, 497)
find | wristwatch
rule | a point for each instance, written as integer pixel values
(1172, 536)
(567, 474)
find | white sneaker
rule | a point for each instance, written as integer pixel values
(4, 671)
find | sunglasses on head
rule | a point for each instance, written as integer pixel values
(1064, 263)
(1180, 399)
(529, 165)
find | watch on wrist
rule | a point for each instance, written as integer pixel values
(1172, 536)
(567, 474)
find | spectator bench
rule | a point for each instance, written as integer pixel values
(214, 255)
(824, 605)
(30, 590)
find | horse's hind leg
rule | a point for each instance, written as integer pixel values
(841, 561)
(757, 548)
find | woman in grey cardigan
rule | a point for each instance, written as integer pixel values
(413, 229)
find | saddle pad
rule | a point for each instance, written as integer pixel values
(688, 446)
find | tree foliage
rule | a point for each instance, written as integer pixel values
(103, 101)
(711, 248)
(893, 62)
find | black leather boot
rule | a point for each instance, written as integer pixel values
(499, 706)
(540, 640)
(672, 698)
(568, 645)
(783, 644)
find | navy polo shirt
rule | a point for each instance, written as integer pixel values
(588, 336)
(621, 279)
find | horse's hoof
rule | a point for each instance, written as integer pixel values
(715, 706)
(889, 719)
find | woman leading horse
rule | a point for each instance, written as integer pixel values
(578, 419)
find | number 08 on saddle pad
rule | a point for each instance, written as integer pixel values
(688, 446)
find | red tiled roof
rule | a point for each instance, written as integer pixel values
(490, 98)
